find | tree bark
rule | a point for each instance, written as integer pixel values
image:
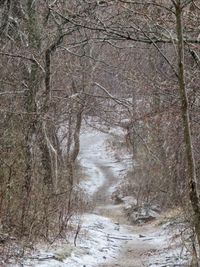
(31, 107)
(193, 191)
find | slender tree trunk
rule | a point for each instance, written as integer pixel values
(76, 136)
(76, 146)
(29, 142)
(194, 198)
(31, 107)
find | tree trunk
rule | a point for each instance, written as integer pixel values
(31, 108)
(193, 191)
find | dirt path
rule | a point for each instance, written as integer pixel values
(103, 195)
(138, 246)
(106, 238)
(145, 240)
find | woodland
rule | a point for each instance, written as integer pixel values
(133, 65)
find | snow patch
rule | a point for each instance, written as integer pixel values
(94, 153)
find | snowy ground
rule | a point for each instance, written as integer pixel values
(93, 156)
(106, 238)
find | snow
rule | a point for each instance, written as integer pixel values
(105, 239)
(101, 247)
(94, 246)
(93, 153)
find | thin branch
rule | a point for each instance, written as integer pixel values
(195, 56)
(148, 3)
(163, 55)
(118, 101)
(13, 92)
(193, 1)
(18, 56)
(31, 59)
(117, 33)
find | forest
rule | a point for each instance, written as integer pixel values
(99, 133)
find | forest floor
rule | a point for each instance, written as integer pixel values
(107, 238)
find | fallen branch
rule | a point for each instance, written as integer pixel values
(119, 238)
(44, 258)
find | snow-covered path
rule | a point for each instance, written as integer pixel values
(95, 159)
(106, 238)
(110, 240)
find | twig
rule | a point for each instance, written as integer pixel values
(119, 238)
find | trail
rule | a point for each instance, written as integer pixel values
(107, 239)
(127, 245)
(132, 249)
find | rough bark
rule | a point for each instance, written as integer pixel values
(47, 149)
(76, 149)
(5, 16)
(193, 191)
(31, 107)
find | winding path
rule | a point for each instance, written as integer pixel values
(132, 246)
(106, 238)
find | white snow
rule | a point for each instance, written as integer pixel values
(102, 240)
(100, 243)
(93, 153)
(94, 246)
